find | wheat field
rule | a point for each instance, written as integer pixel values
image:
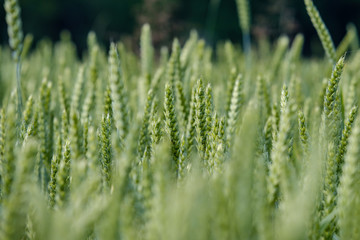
(253, 142)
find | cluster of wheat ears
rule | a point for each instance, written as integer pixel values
(255, 143)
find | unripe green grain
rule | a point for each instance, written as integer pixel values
(58, 138)
(197, 66)
(2, 151)
(106, 152)
(234, 109)
(53, 178)
(126, 167)
(332, 86)
(230, 87)
(244, 22)
(34, 126)
(182, 158)
(263, 95)
(331, 115)
(321, 30)
(91, 40)
(155, 125)
(28, 112)
(93, 74)
(63, 176)
(174, 64)
(144, 139)
(76, 136)
(209, 108)
(28, 40)
(181, 103)
(351, 97)
(93, 71)
(349, 194)
(190, 128)
(244, 15)
(92, 155)
(108, 103)
(303, 131)
(200, 118)
(171, 124)
(230, 58)
(88, 104)
(64, 101)
(329, 197)
(164, 55)
(13, 20)
(277, 59)
(322, 95)
(268, 128)
(279, 179)
(44, 123)
(296, 48)
(85, 137)
(346, 133)
(16, 207)
(64, 127)
(119, 99)
(186, 53)
(147, 186)
(215, 145)
(207, 63)
(157, 79)
(78, 93)
(2, 138)
(147, 51)
(221, 131)
(9, 160)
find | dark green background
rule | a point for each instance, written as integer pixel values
(121, 19)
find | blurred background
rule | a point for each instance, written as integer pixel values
(215, 20)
